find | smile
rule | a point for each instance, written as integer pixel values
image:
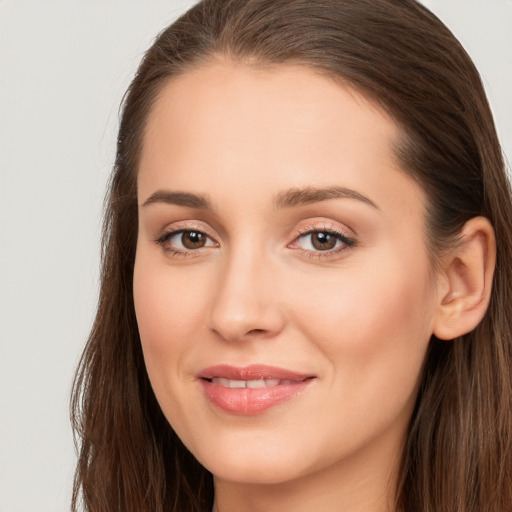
(253, 389)
(253, 384)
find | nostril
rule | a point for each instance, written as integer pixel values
(255, 331)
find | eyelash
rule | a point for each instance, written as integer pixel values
(174, 251)
(346, 241)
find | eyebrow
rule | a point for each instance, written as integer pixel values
(179, 199)
(287, 199)
(300, 196)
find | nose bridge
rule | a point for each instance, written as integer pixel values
(244, 302)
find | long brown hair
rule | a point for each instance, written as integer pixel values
(458, 454)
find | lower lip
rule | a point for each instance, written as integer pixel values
(249, 401)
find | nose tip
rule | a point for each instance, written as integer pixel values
(244, 307)
(238, 321)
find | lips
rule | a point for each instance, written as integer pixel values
(251, 389)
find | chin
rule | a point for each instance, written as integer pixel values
(257, 466)
(254, 473)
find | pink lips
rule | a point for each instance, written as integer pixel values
(252, 389)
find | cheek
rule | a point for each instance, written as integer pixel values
(373, 325)
(390, 309)
(168, 311)
(154, 308)
(169, 314)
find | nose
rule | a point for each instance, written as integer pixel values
(246, 303)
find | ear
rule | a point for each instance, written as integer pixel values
(465, 280)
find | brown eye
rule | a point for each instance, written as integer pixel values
(329, 242)
(193, 239)
(323, 241)
(185, 241)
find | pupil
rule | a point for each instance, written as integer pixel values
(323, 241)
(193, 239)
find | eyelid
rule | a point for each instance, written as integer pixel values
(176, 227)
(182, 227)
(323, 226)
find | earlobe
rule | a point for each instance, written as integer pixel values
(465, 282)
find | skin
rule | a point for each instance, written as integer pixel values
(358, 317)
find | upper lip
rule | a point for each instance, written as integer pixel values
(251, 372)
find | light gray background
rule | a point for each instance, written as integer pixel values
(64, 66)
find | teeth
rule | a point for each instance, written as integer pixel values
(237, 383)
(258, 383)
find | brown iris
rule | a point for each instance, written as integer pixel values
(323, 241)
(193, 239)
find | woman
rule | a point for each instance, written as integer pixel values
(306, 272)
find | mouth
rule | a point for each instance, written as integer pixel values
(253, 389)
(251, 384)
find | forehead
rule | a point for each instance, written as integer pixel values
(229, 126)
(228, 101)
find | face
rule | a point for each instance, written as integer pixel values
(283, 288)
